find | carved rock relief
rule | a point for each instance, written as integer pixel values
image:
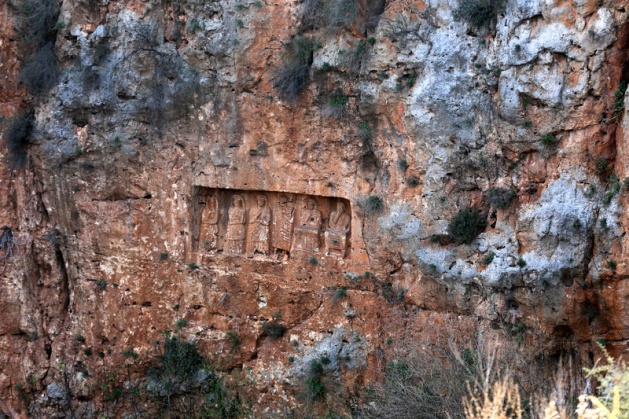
(269, 224)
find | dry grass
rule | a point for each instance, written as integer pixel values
(501, 401)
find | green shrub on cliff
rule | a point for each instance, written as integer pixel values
(466, 225)
(179, 363)
(273, 329)
(619, 101)
(372, 204)
(182, 383)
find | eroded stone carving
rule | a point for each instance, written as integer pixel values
(338, 227)
(208, 230)
(269, 224)
(259, 221)
(235, 236)
(307, 232)
(283, 223)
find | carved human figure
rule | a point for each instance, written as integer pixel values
(259, 221)
(283, 223)
(235, 236)
(307, 232)
(208, 229)
(336, 233)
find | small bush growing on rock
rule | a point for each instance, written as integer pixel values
(17, 138)
(548, 140)
(273, 329)
(466, 225)
(365, 132)
(234, 339)
(402, 164)
(182, 384)
(314, 386)
(500, 197)
(340, 293)
(619, 100)
(337, 105)
(293, 77)
(478, 13)
(602, 167)
(373, 204)
(315, 389)
(489, 257)
(412, 181)
(612, 265)
(393, 295)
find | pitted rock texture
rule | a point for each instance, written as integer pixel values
(409, 116)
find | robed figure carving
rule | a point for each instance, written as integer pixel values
(259, 221)
(336, 233)
(235, 236)
(307, 231)
(208, 230)
(283, 223)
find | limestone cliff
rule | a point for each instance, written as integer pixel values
(237, 163)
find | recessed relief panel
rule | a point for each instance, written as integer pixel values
(269, 224)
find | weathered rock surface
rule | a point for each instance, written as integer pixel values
(158, 101)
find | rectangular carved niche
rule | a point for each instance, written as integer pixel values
(267, 224)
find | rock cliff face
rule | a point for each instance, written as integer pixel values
(176, 171)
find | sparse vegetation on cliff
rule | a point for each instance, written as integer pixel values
(500, 197)
(170, 88)
(402, 29)
(17, 138)
(329, 14)
(479, 13)
(292, 78)
(38, 31)
(41, 71)
(179, 362)
(8, 246)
